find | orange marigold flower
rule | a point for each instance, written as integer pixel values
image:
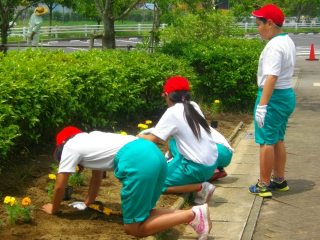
(26, 202)
(77, 168)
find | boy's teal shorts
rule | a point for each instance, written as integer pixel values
(182, 171)
(224, 156)
(280, 107)
(142, 169)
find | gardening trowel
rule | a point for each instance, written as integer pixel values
(104, 210)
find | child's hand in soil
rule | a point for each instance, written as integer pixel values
(48, 208)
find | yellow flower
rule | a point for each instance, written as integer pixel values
(216, 101)
(57, 169)
(148, 122)
(77, 168)
(52, 176)
(26, 202)
(7, 199)
(141, 125)
(13, 201)
(124, 133)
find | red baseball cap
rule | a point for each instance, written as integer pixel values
(175, 84)
(66, 133)
(271, 12)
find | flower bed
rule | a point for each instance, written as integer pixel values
(27, 175)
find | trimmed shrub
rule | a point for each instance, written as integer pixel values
(43, 91)
(226, 68)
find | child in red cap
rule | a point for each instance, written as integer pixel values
(138, 164)
(275, 101)
(195, 153)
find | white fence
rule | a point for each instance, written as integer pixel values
(296, 26)
(85, 30)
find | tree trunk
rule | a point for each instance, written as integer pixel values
(156, 23)
(108, 37)
(4, 34)
(63, 15)
(50, 19)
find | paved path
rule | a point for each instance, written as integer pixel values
(236, 214)
(296, 214)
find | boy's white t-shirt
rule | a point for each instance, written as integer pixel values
(277, 58)
(94, 150)
(173, 122)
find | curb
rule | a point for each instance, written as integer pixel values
(252, 219)
(73, 38)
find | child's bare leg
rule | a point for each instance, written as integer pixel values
(280, 158)
(184, 188)
(159, 220)
(266, 162)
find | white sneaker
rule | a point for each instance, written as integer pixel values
(201, 223)
(205, 194)
(168, 157)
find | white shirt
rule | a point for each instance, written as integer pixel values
(94, 150)
(277, 58)
(220, 139)
(35, 24)
(173, 122)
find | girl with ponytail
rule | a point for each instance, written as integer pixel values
(194, 151)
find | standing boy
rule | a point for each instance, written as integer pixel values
(275, 101)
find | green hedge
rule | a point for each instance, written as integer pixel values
(42, 91)
(226, 69)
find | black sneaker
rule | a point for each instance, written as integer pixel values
(261, 190)
(279, 186)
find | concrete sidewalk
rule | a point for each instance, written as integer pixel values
(295, 214)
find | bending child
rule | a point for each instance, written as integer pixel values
(138, 164)
(195, 153)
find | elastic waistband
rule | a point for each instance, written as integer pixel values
(126, 146)
(280, 91)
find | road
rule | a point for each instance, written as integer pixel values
(302, 41)
(74, 45)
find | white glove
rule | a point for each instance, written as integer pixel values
(78, 205)
(146, 131)
(261, 112)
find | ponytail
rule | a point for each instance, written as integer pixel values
(193, 117)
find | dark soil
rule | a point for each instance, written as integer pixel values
(26, 175)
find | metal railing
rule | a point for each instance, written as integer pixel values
(84, 30)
